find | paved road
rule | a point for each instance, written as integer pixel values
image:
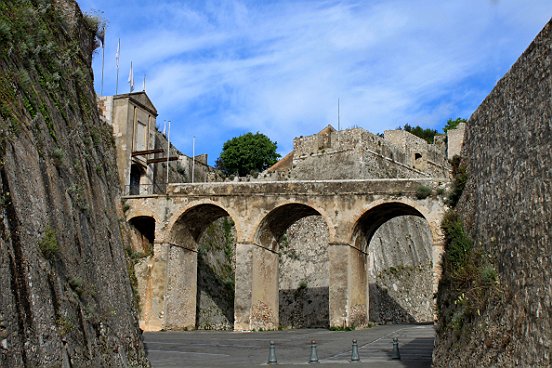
(250, 349)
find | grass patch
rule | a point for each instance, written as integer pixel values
(423, 192)
(48, 245)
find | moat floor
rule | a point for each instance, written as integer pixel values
(293, 347)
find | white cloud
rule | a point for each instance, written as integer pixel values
(221, 68)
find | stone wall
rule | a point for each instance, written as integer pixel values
(507, 209)
(66, 298)
(400, 271)
(304, 274)
(358, 154)
(216, 266)
(180, 171)
(399, 266)
(455, 140)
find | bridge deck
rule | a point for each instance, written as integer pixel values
(299, 187)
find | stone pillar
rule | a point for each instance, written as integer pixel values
(338, 259)
(264, 295)
(358, 289)
(153, 313)
(256, 294)
(181, 289)
(243, 286)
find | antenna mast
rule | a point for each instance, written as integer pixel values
(338, 116)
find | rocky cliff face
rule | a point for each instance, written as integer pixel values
(66, 299)
(506, 210)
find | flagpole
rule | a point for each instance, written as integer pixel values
(117, 56)
(193, 158)
(168, 154)
(338, 116)
(131, 78)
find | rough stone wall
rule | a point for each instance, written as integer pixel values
(304, 274)
(66, 298)
(507, 209)
(216, 266)
(401, 272)
(358, 154)
(180, 171)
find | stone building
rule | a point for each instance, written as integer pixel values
(142, 149)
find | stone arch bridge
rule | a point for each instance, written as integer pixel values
(261, 212)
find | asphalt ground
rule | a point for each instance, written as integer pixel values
(292, 347)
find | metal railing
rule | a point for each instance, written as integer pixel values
(144, 189)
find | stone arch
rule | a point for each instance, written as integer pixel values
(397, 264)
(370, 220)
(202, 210)
(141, 211)
(192, 283)
(143, 233)
(297, 297)
(190, 224)
(275, 223)
(137, 175)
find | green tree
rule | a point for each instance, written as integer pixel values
(247, 154)
(451, 124)
(418, 131)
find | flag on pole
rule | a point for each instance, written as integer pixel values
(131, 78)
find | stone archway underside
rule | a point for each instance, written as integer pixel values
(397, 259)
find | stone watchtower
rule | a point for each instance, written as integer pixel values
(133, 118)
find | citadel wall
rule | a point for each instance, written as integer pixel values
(358, 154)
(506, 207)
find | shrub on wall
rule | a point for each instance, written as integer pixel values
(471, 278)
(460, 177)
(49, 245)
(423, 192)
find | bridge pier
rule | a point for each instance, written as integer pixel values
(153, 313)
(348, 289)
(181, 289)
(256, 293)
(170, 290)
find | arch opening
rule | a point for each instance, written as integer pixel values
(143, 233)
(205, 236)
(397, 249)
(299, 235)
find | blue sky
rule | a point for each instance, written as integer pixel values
(218, 69)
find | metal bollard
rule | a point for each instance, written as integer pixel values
(313, 354)
(272, 354)
(354, 352)
(395, 354)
